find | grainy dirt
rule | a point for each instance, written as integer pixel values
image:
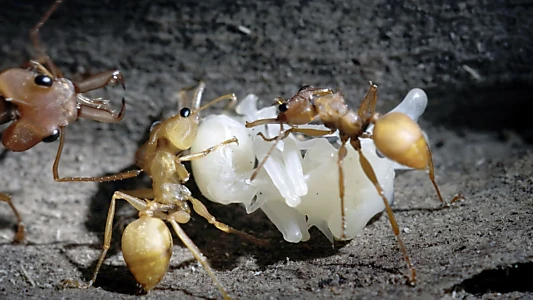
(472, 57)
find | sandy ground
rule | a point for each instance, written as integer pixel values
(472, 58)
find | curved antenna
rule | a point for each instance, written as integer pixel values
(34, 36)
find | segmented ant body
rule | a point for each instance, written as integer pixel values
(395, 135)
(147, 242)
(39, 102)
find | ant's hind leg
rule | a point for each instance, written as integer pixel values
(198, 255)
(135, 202)
(20, 235)
(432, 178)
(370, 174)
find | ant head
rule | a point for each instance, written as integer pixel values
(180, 130)
(299, 109)
(400, 138)
(42, 105)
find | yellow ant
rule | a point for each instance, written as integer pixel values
(147, 242)
(395, 135)
(39, 102)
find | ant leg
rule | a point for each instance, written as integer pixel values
(307, 131)
(100, 113)
(231, 97)
(197, 98)
(135, 202)
(432, 178)
(313, 132)
(201, 154)
(183, 173)
(20, 235)
(34, 36)
(198, 255)
(201, 210)
(369, 172)
(282, 135)
(55, 171)
(100, 80)
(342, 154)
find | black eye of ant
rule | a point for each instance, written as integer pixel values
(283, 107)
(185, 112)
(43, 80)
(53, 137)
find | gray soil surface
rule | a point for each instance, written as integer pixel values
(473, 58)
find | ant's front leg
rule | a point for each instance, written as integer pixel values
(201, 154)
(283, 135)
(99, 81)
(55, 168)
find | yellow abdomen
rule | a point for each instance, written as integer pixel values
(400, 138)
(147, 248)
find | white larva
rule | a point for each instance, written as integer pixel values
(292, 186)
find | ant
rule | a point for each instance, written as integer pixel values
(39, 102)
(147, 242)
(395, 135)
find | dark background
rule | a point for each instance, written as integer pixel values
(473, 58)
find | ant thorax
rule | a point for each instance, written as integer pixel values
(297, 188)
(167, 181)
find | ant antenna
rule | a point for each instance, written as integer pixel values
(34, 36)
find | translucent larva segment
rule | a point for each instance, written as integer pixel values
(147, 248)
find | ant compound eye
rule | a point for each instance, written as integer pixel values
(53, 137)
(43, 80)
(283, 107)
(185, 112)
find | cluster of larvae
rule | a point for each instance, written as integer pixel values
(297, 187)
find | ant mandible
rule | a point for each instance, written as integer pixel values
(395, 135)
(147, 242)
(39, 102)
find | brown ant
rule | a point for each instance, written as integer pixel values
(147, 242)
(395, 135)
(39, 102)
